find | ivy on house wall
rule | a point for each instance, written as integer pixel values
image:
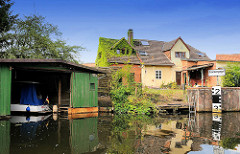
(108, 48)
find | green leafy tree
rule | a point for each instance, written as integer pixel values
(232, 77)
(6, 21)
(34, 37)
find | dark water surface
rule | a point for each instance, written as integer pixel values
(200, 133)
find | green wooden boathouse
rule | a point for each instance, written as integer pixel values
(66, 84)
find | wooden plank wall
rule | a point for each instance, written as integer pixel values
(104, 80)
(5, 89)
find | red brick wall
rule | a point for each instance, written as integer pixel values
(208, 81)
(136, 69)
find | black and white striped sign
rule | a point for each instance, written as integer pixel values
(216, 99)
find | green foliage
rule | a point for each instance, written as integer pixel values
(107, 48)
(6, 21)
(33, 37)
(171, 85)
(119, 97)
(141, 105)
(232, 77)
(166, 95)
(122, 94)
(230, 143)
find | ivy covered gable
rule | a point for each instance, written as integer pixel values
(109, 48)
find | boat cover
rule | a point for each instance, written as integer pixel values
(29, 95)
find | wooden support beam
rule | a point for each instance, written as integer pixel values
(59, 92)
(82, 115)
(202, 76)
(82, 110)
(188, 78)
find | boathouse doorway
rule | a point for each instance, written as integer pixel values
(51, 85)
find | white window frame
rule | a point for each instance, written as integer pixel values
(158, 74)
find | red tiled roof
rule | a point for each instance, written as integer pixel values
(225, 57)
(89, 64)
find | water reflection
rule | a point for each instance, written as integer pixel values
(203, 132)
(4, 137)
(83, 135)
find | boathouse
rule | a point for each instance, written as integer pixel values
(67, 85)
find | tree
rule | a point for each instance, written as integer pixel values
(6, 21)
(34, 37)
(232, 77)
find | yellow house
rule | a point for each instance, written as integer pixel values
(162, 61)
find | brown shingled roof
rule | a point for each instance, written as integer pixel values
(225, 57)
(89, 64)
(155, 53)
(133, 59)
(154, 56)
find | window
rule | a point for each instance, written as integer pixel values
(142, 53)
(92, 86)
(158, 74)
(118, 51)
(145, 43)
(200, 54)
(180, 54)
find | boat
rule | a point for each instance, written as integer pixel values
(30, 108)
(27, 119)
(30, 101)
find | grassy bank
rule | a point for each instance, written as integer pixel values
(163, 96)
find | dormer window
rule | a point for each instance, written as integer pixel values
(122, 51)
(200, 54)
(142, 53)
(145, 43)
(180, 54)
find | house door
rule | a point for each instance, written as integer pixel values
(178, 78)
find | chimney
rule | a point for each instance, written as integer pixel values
(130, 36)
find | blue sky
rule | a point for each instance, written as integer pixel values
(212, 26)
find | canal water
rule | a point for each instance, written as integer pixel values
(107, 133)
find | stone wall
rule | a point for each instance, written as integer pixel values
(202, 96)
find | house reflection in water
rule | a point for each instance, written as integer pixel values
(173, 133)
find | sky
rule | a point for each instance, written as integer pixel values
(212, 26)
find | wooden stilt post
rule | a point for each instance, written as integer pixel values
(188, 78)
(59, 92)
(202, 76)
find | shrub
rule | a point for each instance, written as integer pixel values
(232, 77)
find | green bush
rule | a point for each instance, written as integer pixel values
(170, 85)
(119, 96)
(232, 77)
(141, 105)
(230, 143)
